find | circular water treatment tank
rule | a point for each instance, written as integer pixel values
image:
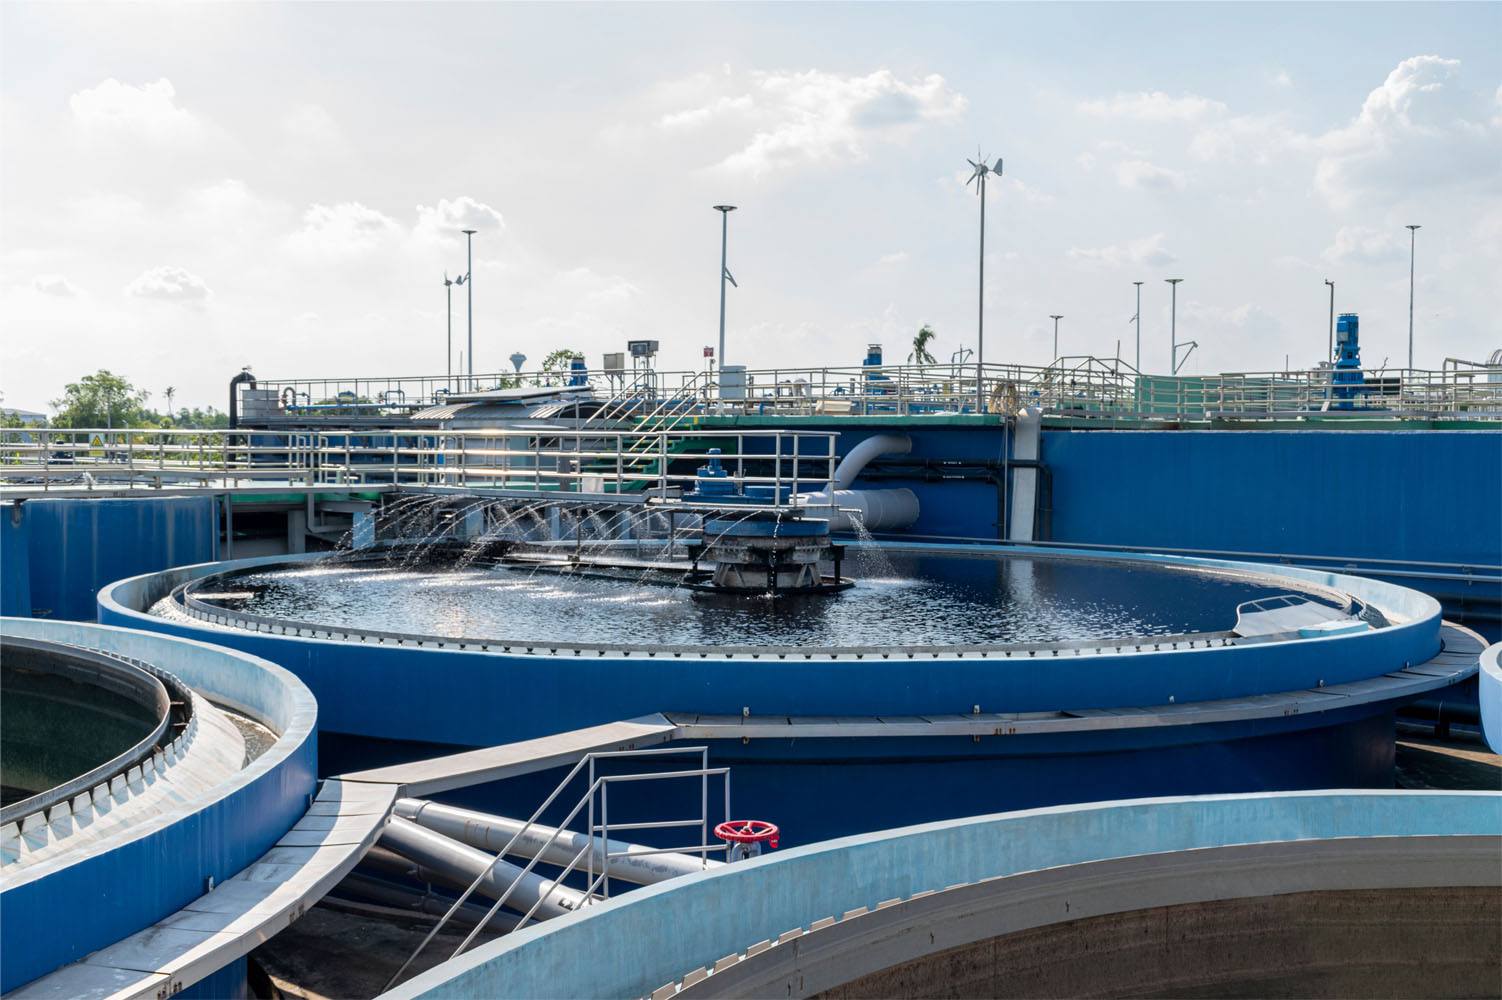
(910, 599)
(71, 718)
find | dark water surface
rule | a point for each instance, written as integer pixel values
(900, 599)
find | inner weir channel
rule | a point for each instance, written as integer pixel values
(900, 598)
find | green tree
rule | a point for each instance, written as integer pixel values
(920, 353)
(103, 399)
(557, 364)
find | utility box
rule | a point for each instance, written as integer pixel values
(733, 382)
(615, 364)
(642, 348)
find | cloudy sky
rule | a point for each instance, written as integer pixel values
(187, 189)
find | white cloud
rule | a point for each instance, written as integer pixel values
(1414, 132)
(445, 220)
(169, 284)
(817, 117)
(1282, 79)
(1144, 176)
(1147, 252)
(1154, 106)
(699, 116)
(115, 108)
(345, 228)
(1358, 244)
(897, 257)
(56, 284)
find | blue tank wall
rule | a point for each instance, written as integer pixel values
(15, 562)
(1428, 496)
(78, 546)
(472, 697)
(55, 914)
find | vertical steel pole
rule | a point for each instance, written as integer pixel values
(469, 280)
(448, 358)
(724, 246)
(1139, 325)
(1173, 328)
(1330, 348)
(1412, 238)
(980, 307)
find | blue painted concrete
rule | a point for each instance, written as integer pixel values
(477, 698)
(1364, 494)
(654, 935)
(1490, 696)
(15, 562)
(78, 546)
(60, 910)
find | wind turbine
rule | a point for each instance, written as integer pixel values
(978, 178)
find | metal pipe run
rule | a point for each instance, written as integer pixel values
(640, 864)
(459, 865)
(860, 456)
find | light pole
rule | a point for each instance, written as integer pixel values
(469, 278)
(1330, 350)
(1138, 318)
(1412, 237)
(981, 170)
(448, 291)
(1173, 328)
(1055, 334)
(725, 275)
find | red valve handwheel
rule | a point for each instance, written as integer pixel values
(747, 831)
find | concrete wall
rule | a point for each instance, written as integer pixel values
(57, 911)
(77, 546)
(479, 697)
(1355, 943)
(1364, 494)
(656, 935)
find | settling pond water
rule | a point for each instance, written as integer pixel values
(900, 599)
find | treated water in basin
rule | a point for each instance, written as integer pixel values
(901, 599)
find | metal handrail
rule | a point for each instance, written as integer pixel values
(588, 759)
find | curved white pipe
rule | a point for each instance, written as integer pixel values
(860, 456)
(877, 510)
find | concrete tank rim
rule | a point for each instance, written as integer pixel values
(1341, 802)
(1406, 608)
(299, 728)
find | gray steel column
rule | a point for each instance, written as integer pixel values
(1412, 237)
(724, 211)
(1330, 350)
(1138, 318)
(469, 279)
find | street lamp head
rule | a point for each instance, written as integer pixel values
(1173, 281)
(1413, 227)
(1329, 282)
(727, 209)
(1137, 283)
(1056, 318)
(469, 232)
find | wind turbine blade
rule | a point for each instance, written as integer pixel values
(977, 166)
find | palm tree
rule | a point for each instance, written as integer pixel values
(169, 393)
(920, 353)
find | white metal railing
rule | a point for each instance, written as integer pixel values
(597, 784)
(1080, 386)
(534, 460)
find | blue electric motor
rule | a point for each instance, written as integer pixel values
(1347, 382)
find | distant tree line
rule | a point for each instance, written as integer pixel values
(105, 399)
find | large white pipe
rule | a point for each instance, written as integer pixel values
(860, 456)
(461, 864)
(876, 510)
(493, 833)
